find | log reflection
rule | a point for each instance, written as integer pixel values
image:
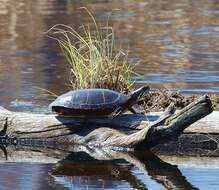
(113, 166)
(162, 172)
(77, 165)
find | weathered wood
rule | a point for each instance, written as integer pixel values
(129, 131)
(209, 124)
(174, 125)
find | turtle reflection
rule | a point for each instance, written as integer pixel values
(111, 169)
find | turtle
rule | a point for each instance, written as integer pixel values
(96, 102)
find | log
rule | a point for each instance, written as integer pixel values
(128, 131)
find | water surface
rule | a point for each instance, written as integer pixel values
(64, 169)
(174, 44)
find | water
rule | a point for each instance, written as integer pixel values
(174, 43)
(37, 176)
(59, 169)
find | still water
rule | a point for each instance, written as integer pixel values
(174, 44)
(58, 169)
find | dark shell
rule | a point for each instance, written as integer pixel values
(90, 99)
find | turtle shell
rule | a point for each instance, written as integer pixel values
(88, 101)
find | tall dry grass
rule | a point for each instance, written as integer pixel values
(93, 56)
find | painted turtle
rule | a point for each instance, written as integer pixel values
(96, 102)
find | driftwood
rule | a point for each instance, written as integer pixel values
(126, 131)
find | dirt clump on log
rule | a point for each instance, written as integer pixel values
(159, 100)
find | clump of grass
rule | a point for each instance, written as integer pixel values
(93, 56)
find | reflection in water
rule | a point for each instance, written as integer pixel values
(79, 167)
(111, 168)
(175, 43)
(95, 173)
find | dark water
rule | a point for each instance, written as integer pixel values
(175, 44)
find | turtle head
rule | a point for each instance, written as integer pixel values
(139, 93)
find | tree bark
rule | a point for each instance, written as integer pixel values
(126, 131)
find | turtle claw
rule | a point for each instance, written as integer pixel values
(141, 112)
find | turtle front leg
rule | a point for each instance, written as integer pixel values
(131, 109)
(118, 111)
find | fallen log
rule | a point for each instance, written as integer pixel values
(126, 131)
